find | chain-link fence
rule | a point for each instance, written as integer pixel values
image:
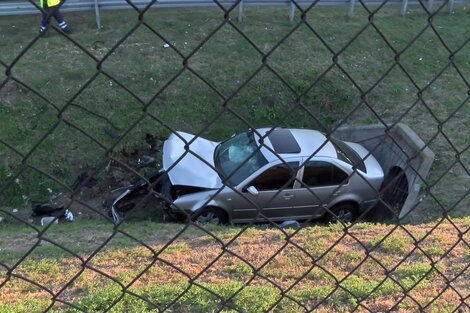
(96, 136)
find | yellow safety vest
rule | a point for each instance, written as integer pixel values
(49, 3)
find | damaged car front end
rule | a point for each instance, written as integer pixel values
(122, 200)
(189, 174)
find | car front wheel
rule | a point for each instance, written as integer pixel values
(344, 212)
(210, 216)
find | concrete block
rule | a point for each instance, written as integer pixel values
(396, 146)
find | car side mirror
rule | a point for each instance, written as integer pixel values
(252, 190)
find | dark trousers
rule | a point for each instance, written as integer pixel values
(58, 17)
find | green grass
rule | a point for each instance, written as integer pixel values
(239, 269)
(328, 281)
(58, 69)
(196, 299)
(77, 238)
(392, 244)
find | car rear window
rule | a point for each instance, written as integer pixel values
(349, 155)
(318, 174)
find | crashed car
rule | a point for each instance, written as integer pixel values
(277, 174)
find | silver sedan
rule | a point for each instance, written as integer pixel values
(277, 174)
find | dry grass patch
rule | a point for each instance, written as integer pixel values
(362, 268)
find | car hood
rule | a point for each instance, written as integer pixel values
(184, 168)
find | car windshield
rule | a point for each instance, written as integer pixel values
(238, 157)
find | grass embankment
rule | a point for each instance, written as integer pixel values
(353, 272)
(58, 69)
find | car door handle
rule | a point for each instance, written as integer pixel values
(288, 196)
(336, 193)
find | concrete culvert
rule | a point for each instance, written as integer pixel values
(405, 160)
(395, 188)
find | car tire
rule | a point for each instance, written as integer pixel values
(210, 215)
(346, 212)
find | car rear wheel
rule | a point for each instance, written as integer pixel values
(210, 216)
(344, 212)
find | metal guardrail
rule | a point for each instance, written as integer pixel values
(26, 7)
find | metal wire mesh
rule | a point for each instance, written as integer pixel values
(287, 242)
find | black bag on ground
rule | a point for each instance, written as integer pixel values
(45, 209)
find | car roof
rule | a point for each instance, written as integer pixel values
(292, 142)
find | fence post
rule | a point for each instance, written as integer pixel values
(352, 3)
(291, 11)
(404, 7)
(97, 13)
(240, 11)
(430, 4)
(450, 6)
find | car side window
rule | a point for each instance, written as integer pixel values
(318, 174)
(277, 177)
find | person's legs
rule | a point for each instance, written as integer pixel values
(62, 23)
(44, 22)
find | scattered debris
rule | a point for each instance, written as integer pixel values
(147, 155)
(146, 160)
(50, 213)
(55, 207)
(290, 224)
(49, 219)
(45, 209)
(84, 180)
(68, 216)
